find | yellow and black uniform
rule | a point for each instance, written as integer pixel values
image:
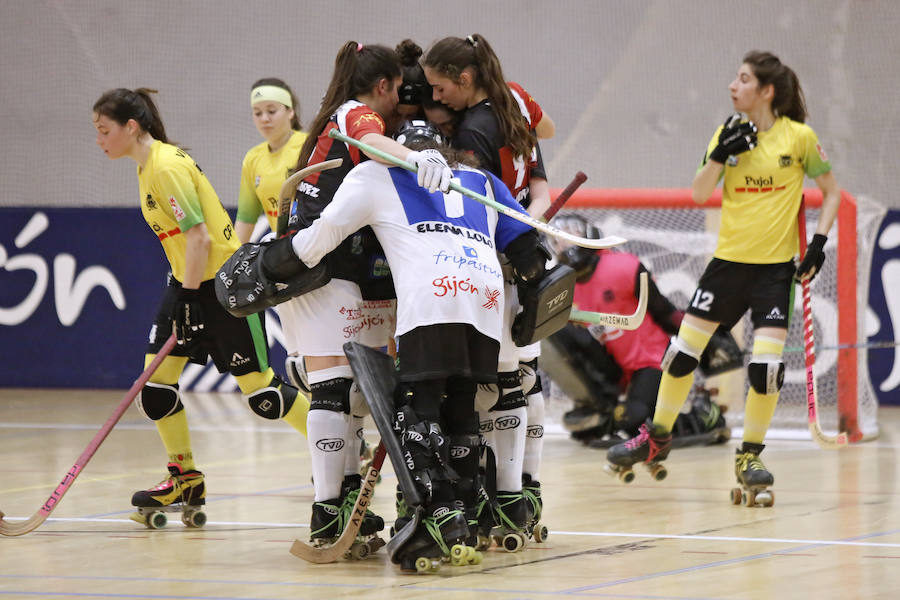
(262, 175)
(175, 196)
(752, 266)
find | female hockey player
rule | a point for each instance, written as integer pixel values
(196, 234)
(762, 161)
(497, 126)
(443, 252)
(356, 305)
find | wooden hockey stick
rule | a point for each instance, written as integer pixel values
(329, 554)
(812, 405)
(606, 242)
(289, 187)
(563, 197)
(628, 322)
(44, 511)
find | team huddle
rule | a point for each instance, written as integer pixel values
(369, 257)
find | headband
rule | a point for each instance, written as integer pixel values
(271, 93)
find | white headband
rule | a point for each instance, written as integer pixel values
(271, 93)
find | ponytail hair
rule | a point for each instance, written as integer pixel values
(788, 100)
(357, 70)
(295, 120)
(122, 104)
(452, 55)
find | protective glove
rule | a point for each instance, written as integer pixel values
(815, 257)
(187, 316)
(433, 171)
(735, 138)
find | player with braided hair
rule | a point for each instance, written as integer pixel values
(197, 235)
(762, 161)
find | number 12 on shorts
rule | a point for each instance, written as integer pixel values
(702, 300)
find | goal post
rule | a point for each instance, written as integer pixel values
(675, 237)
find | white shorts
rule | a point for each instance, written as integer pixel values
(324, 319)
(377, 323)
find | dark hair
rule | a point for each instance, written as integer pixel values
(789, 100)
(122, 104)
(415, 89)
(357, 69)
(295, 121)
(452, 55)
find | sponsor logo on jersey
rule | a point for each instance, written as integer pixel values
(758, 185)
(151, 203)
(176, 208)
(785, 160)
(450, 286)
(470, 251)
(308, 189)
(447, 228)
(369, 118)
(441, 257)
(732, 161)
(775, 314)
(330, 444)
(493, 299)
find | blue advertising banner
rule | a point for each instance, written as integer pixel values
(78, 291)
(884, 302)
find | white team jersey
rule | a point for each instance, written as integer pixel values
(442, 248)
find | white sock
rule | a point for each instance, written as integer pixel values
(509, 447)
(534, 437)
(325, 428)
(352, 442)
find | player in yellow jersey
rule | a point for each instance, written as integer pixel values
(762, 161)
(183, 210)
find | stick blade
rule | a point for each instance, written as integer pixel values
(320, 556)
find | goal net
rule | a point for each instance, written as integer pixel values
(675, 239)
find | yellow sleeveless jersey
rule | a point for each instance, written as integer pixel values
(262, 174)
(761, 193)
(175, 196)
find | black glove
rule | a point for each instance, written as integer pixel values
(187, 316)
(815, 256)
(735, 137)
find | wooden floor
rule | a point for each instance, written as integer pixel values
(834, 531)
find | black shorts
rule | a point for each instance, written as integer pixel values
(727, 289)
(446, 349)
(237, 345)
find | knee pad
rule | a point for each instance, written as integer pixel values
(766, 376)
(273, 401)
(331, 394)
(511, 394)
(358, 405)
(158, 400)
(296, 372)
(486, 397)
(531, 379)
(679, 360)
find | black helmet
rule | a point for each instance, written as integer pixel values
(419, 132)
(583, 260)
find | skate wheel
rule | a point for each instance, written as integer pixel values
(427, 565)
(513, 542)
(658, 472)
(750, 498)
(359, 550)
(459, 555)
(138, 518)
(541, 533)
(736, 496)
(157, 520)
(482, 542)
(195, 518)
(765, 498)
(626, 476)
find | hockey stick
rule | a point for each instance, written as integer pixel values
(329, 554)
(812, 404)
(627, 322)
(289, 187)
(44, 511)
(563, 197)
(607, 242)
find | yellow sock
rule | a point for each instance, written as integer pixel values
(296, 416)
(177, 439)
(759, 408)
(673, 391)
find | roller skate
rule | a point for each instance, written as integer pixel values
(480, 517)
(182, 491)
(704, 424)
(650, 446)
(531, 489)
(425, 543)
(752, 476)
(514, 513)
(330, 517)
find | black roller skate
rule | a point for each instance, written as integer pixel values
(330, 517)
(437, 537)
(650, 446)
(182, 491)
(513, 515)
(531, 489)
(752, 476)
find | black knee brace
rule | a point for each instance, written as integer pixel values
(677, 362)
(531, 379)
(331, 394)
(158, 400)
(766, 376)
(273, 401)
(511, 394)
